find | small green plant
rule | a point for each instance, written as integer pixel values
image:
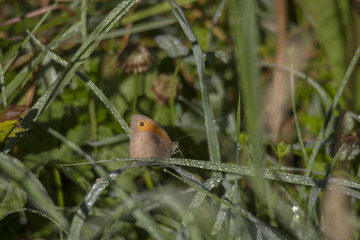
(282, 150)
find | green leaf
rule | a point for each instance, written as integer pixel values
(9, 129)
(40, 199)
(12, 196)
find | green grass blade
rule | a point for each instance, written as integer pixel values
(2, 84)
(213, 143)
(245, 37)
(330, 112)
(325, 98)
(102, 97)
(266, 173)
(300, 138)
(42, 214)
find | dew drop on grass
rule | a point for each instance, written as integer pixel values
(213, 182)
(296, 216)
(238, 146)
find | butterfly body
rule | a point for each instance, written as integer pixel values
(149, 139)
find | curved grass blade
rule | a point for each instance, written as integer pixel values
(39, 198)
(38, 213)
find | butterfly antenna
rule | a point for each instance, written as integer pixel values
(190, 134)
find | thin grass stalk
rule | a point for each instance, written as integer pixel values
(300, 138)
(2, 84)
(91, 105)
(330, 113)
(213, 143)
(325, 98)
(173, 87)
(268, 174)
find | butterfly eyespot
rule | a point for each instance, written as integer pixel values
(142, 124)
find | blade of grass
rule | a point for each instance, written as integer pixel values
(322, 93)
(245, 37)
(35, 212)
(2, 84)
(223, 210)
(100, 171)
(213, 143)
(91, 105)
(215, 20)
(343, 152)
(138, 28)
(268, 174)
(151, 11)
(237, 225)
(238, 129)
(244, 33)
(102, 97)
(300, 138)
(330, 112)
(204, 191)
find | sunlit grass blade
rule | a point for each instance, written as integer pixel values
(267, 174)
